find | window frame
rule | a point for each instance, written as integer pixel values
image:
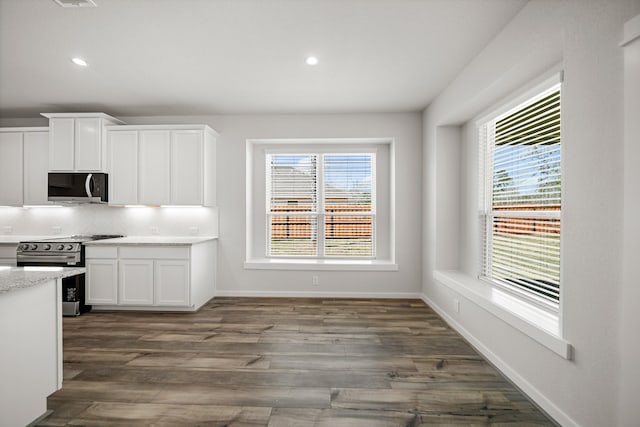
(486, 181)
(320, 213)
(385, 206)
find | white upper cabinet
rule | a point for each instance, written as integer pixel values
(23, 166)
(187, 152)
(11, 164)
(76, 141)
(154, 166)
(61, 153)
(36, 160)
(123, 173)
(88, 144)
(175, 165)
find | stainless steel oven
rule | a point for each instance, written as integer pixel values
(61, 252)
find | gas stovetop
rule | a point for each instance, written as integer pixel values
(58, 245)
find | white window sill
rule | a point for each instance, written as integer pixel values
(319, 264)
(538, 324)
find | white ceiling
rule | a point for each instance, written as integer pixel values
(187, 57)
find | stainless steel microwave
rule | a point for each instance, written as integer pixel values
(78, 187)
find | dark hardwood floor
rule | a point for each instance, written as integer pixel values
(280, 362)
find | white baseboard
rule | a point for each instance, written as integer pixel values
(538, 397)
(288, 294)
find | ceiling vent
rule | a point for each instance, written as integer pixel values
(76, 3)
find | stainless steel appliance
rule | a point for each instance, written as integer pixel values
(61, 252)
(78, 187)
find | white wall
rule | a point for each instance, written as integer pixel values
(630, 294)
(583, 37)
(234, 131)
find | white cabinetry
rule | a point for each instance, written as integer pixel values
(150, 277)
(173, 165)
(154, 166)
(172, 282)
(76, 141)
(8, 254)
(102, 274)
(11, 164)
(36, 156)
(135, 282)
(23, 166)
(187, 152)
(123, 176)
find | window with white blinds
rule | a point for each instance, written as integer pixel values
(320, 205)
(521, 198)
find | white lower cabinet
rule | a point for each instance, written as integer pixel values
(8, 254)
(180, 278)
(172, 282)
(135, 282)
(102, 274)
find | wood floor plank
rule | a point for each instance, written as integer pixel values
(280, 362)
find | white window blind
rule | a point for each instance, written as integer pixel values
(521, 197)
(320, 205)
(292, 194)
(349, 182)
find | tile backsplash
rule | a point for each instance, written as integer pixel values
(101, 219)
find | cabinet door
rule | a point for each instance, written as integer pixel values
(102, 281)
(36, 156)
(88, 148)
(154, 164)
(11, 169)
(172, 282)
(123, 173)
(61, 153)
(135, 284)
(186, 167)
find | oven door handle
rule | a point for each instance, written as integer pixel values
(62, 259)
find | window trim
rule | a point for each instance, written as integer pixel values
(385, 254)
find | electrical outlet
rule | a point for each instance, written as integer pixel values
(194, 231)
(456, 305)
(154, 230)
(7, 229)
(56, 229)
(315, 280)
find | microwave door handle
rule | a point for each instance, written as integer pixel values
(87, 184)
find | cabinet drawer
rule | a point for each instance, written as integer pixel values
(154, 252)
(102, 252)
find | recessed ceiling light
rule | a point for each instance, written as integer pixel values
(311, 60)
(79, 61)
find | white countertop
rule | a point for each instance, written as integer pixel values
(152, 241)
(10, 239)
(12, 278)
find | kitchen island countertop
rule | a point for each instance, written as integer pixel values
(12, 278)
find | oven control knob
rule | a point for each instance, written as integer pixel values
(46, 247)
(69, 247)
(23, 247)
(60, 247)
(33, 247)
